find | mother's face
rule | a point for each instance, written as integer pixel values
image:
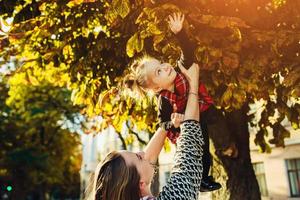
(144, 167)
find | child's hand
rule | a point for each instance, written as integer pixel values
(176, 22)
(176, 118)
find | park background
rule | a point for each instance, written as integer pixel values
(62, 64)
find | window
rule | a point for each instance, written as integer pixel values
(261, 177)
(293, 170)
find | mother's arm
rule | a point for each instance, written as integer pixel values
(186, 175)
(156, 143)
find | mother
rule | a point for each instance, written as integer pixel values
(125, 175)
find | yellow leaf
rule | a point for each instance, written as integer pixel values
(74, 3)
(215, 52)
(32, 79)
(167, 146)
(239, 95)
(226, 97)
(152, 28)
(134, 44)
(157, 39)
(121, 7)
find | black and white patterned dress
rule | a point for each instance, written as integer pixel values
(185, 179)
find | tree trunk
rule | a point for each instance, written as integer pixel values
(42, 191)
(20, 189)
(18, 192)
(241, 183)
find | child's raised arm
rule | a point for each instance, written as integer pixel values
(188, 46)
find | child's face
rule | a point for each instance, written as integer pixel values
(160, 75)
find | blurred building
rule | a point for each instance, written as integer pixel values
(278, 173)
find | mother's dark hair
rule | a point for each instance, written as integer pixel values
(114, 180)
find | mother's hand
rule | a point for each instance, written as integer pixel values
(176, 118)
(192, 75)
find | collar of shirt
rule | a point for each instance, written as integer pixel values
(147, 198)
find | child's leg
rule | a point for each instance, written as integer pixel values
(207, 184)
(206, 158)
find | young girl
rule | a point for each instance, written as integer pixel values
(149, 74)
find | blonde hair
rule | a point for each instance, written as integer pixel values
(137, 80)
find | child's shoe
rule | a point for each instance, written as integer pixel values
(208, 185)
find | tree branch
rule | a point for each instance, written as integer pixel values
(122, 140)
(136, 134)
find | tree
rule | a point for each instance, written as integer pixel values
(38, 155)
(243, 58)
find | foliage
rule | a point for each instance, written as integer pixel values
(87, 46)
(35, 148)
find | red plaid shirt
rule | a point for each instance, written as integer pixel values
(180, 97)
